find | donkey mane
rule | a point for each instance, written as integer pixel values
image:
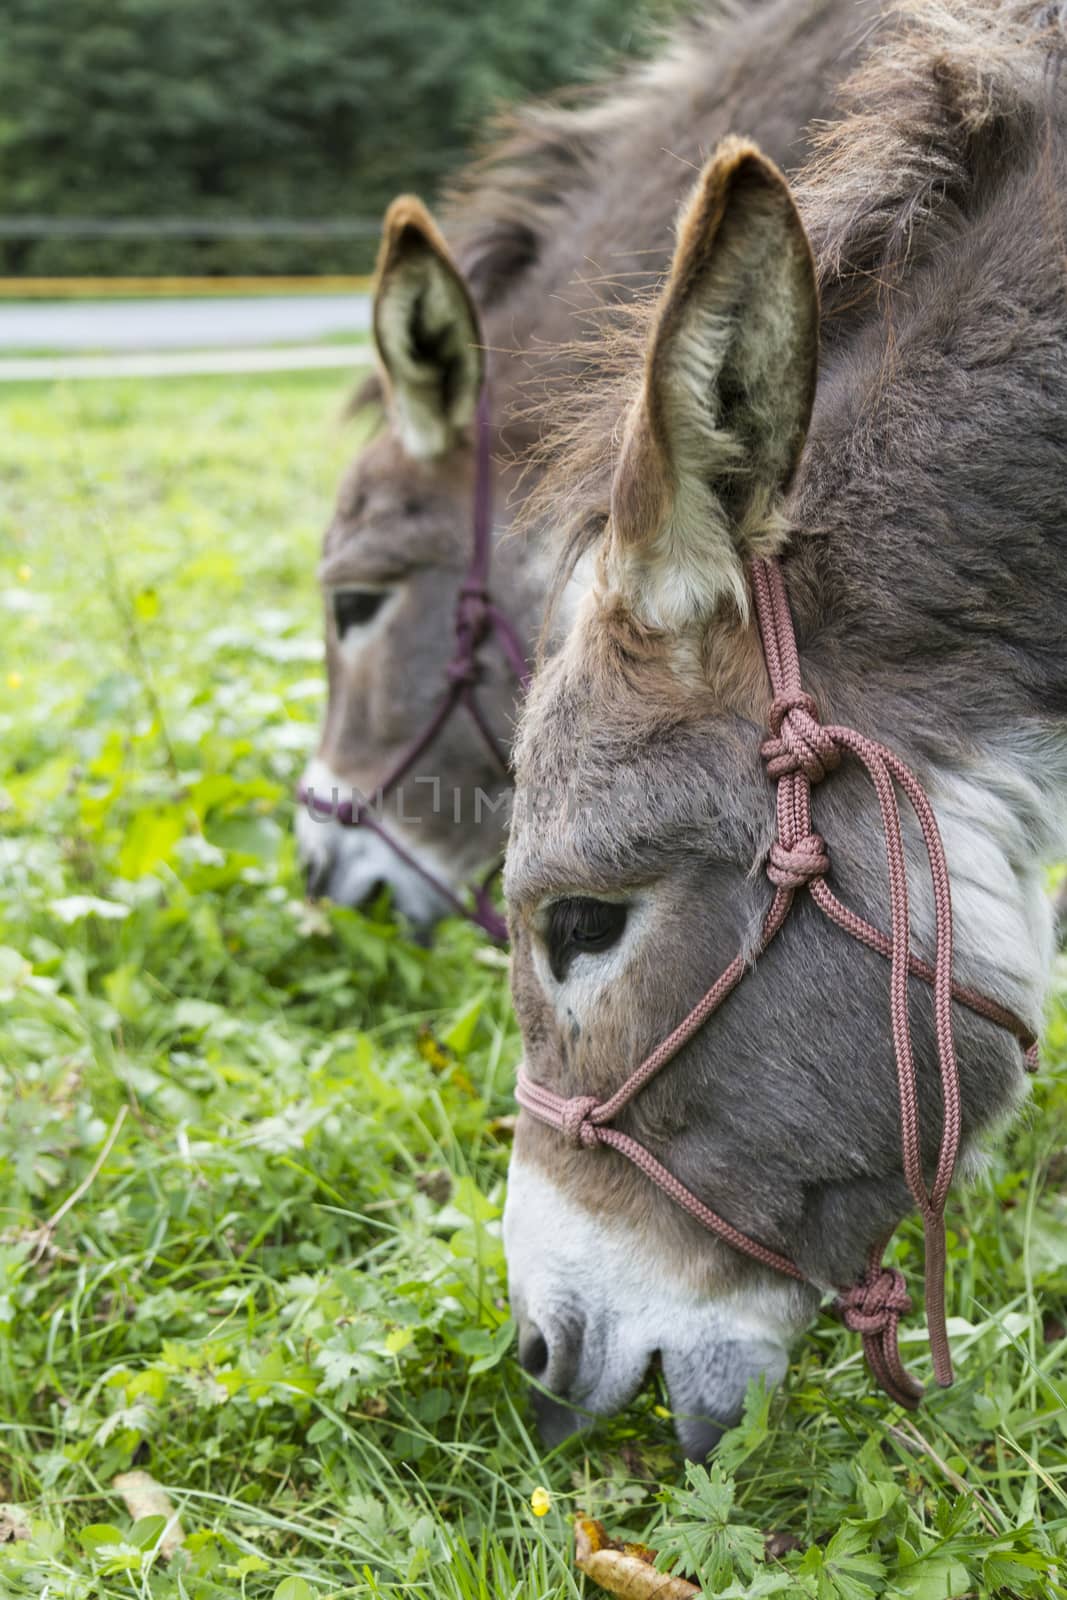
(948, 95)
(539, 223)
(503, 209)
(939, 99)
(566, 218)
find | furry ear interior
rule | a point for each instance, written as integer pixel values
(714, 436)
(427, 333)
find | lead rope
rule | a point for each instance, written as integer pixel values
(800, 752)
(477, 616)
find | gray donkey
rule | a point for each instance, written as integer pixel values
(566, 220)
(913, 494)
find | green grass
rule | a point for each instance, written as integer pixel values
(270, 1135)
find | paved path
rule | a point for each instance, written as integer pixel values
(114, 325)
(181, 363)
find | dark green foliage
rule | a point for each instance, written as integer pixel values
(213, 109)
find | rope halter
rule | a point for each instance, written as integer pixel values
(477, 617)
(799, 752)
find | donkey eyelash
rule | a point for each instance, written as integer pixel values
(355, 608)
(581, 926)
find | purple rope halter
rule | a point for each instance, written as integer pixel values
(477, 618)
(800, 752)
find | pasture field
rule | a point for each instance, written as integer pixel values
(252, 1151)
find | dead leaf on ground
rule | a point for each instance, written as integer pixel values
(624, 1570)
(145, 1497)
(436, 1185)
(13, 1525)
(635, 1463)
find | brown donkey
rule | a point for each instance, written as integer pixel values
(915, 499)
(568, 218)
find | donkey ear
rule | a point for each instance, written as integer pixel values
(427, 333)
(713, 439)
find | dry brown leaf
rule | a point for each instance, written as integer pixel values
(436, 1185)
(145, 1497)
(624, 1570)
(13, 1525)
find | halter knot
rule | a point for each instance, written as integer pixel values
(575, 1124)
(798, 741)
(463, 668)
(876, 1303)
(472, 611)
(472, 628)
(793, 868)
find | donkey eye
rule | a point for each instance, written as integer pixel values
(354, 608)
(581, 926)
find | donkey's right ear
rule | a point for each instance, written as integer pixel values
(427, 333)
(712, 441)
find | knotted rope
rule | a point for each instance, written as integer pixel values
(472, 628)
(873, 1308)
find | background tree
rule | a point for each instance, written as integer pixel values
(243, 109)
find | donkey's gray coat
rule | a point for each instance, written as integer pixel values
(927, 570)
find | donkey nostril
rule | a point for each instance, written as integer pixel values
(533, 1353)
(552, 1356)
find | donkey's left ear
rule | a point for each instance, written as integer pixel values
(714, 436)
(427, 332)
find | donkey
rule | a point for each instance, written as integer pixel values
(566, 220)
(913, 498)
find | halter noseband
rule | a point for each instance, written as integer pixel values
(800, 752)
(477, 617)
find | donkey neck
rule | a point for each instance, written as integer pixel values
(996, 773)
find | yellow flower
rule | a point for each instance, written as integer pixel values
(431, 1050)
(540, 1502)
(25, 573)
(661, 1411)
(14, 680)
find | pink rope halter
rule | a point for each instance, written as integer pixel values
(799, 753)
(477, 617)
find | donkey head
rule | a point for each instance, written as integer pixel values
(642, 820)
(394, 557)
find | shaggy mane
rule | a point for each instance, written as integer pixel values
(945, 90)
(945, 96)
(507, 204)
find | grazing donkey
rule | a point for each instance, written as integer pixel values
(568, 218)
(915, 500)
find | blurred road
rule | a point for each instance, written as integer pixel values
(183, 363)
(226, 323)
